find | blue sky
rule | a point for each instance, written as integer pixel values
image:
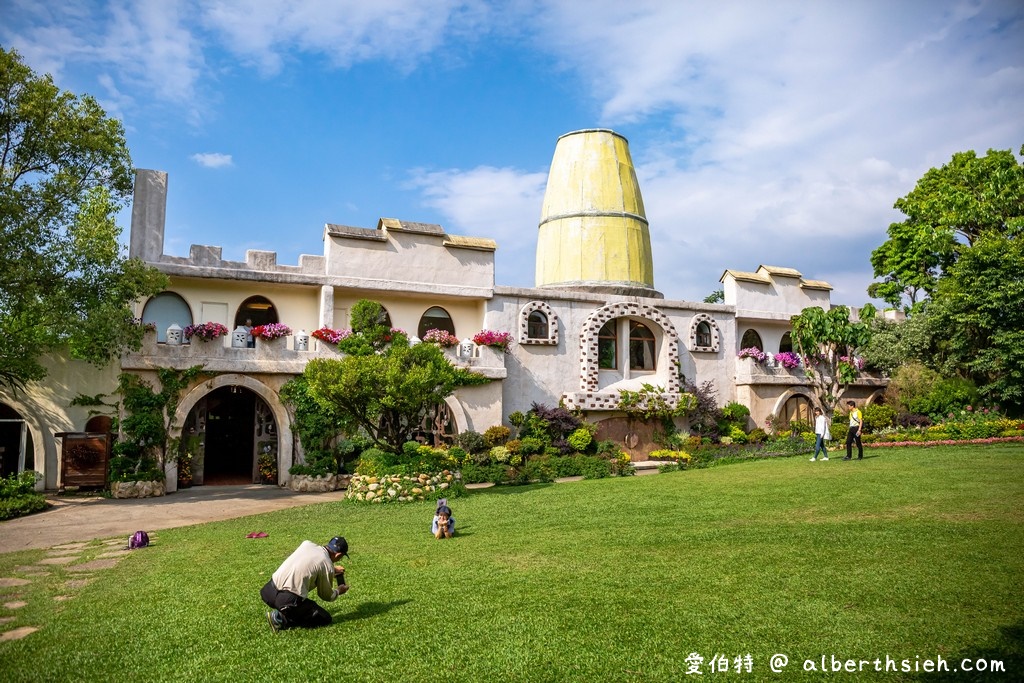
(778, 133)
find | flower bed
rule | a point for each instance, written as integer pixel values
(205, 331)
(402, 488)
(499, 340)
(330, 335)
(757, 354)
(271, 331)
(788, 360)
(442, 338)
(946, 442)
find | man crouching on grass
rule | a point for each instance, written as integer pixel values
(310, 566)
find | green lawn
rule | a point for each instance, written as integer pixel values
(912, 553)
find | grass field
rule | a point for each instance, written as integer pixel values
(912, 554)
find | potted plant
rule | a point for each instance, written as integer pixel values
(498, 340)
(442, 338)
(267, 467)
(271, 331)
(206, 331)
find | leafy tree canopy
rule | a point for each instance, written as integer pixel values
(386, 393)
(979, 306)
(715, 297)
(64, 282)
(828, 343)
(947, 211)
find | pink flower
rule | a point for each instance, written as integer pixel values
(969, 409)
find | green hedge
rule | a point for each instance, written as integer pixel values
(22, 504)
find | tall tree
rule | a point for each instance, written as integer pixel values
(64, 280)
(383, 387)
(946, 212)
(828, 344)
(979, 305)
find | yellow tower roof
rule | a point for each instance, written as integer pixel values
(593, 232)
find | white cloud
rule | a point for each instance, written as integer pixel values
(145, 45)
(500, 203)
(343, 31)
(792, 127)
(212, 159)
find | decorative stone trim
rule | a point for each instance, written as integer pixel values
(716, 334)
(524, 324)
(588, 343)
(583, 400)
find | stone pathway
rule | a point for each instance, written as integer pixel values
(59, 559)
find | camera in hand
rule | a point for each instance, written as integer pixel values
(340, 577)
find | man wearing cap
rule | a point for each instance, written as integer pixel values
(310, 566)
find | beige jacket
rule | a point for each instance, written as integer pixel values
(308, 567)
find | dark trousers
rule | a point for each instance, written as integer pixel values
(295, 610)
(852, 436)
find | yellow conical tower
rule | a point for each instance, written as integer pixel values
(593, 231)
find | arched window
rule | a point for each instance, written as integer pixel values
(703, 334)
(607, 346)
(797, 407)
(256, 310)
(786, 345)
(165, 309)
(537, 325)
(435, 318)
(751, 339)
(641, 346)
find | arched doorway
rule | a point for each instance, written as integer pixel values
(17, 450)
(226, 432)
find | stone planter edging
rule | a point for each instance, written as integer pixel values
(400, 488)
(137, 489)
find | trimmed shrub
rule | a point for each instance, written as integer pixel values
(497, 435)
(736, 413)
(472, 442)
(756, 435)
(580, 439)
(878, 416)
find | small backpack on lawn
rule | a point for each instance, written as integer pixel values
(140, 539)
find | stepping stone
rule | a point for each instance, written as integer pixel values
(6, 620)
(70, 546)
(17, 604)
(115, 553)
(58, 560)
(77, 583)
(62, 598)
(95, 564)
(565, 480)
(13, 582)
(17, 633)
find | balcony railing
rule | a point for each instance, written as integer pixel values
(275, 356)
(748, 371)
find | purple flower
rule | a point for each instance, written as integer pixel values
(788, 360)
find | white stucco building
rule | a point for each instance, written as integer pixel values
(593, 324)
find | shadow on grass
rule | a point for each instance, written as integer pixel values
(1008, 649)
(365, 610)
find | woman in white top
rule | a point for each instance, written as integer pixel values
(820, 433)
